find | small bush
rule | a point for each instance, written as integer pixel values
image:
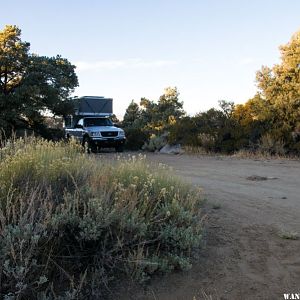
(269, 144)
(289, 235)
(71, 223)
(156, 142)
(207, 141)
(135, 138)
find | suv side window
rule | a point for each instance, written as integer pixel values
(80, 122)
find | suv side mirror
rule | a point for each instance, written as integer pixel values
(78, 126)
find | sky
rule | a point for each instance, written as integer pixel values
(125, 50)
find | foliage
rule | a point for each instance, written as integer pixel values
(151, 118)
(214, 130)
(132, 116)
(155, 143)
(135, 138)
(269, 122)
(133, 126)
(70, 223)
(270, 145)
(31, 84)
(160, 116)
(185, 132)
(280, 88)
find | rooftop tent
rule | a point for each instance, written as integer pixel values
(91, 105)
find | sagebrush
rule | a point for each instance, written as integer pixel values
(71, 223)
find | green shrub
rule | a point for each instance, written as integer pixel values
(71, 223)
(135, 138)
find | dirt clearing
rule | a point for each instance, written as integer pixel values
(251, 249)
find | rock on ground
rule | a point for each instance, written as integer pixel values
(171, 149)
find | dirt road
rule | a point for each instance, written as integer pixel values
(251, 205)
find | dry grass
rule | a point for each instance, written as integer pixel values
(197, 150)
(262, 155)
(243, 154)
(70, 222)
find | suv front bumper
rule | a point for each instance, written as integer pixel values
(108, 142)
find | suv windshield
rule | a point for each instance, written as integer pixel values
(89, 122)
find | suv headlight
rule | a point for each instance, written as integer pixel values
(121, 133)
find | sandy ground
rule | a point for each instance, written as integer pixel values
(244, 256)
